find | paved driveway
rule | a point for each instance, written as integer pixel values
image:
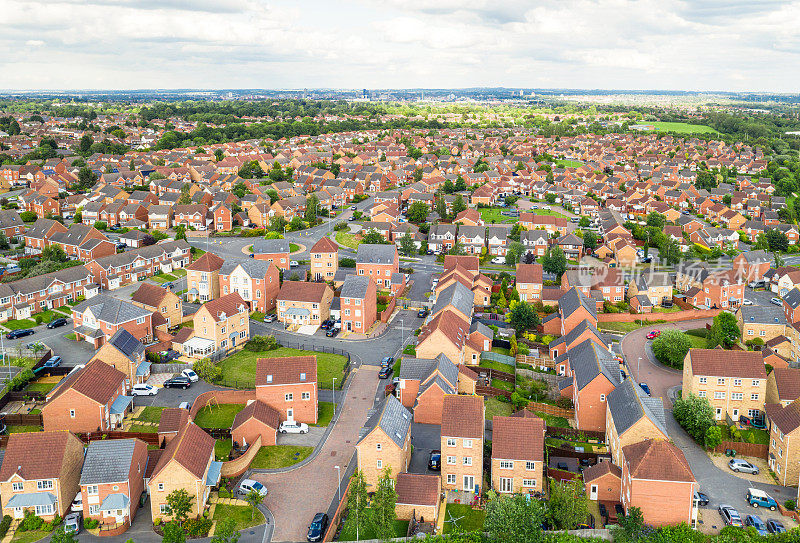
(295, 496)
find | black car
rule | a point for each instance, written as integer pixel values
(14, 334)
(422, 313)
(316, 531)
(385, 372)
(775, 526)
(179, 381)
(387, 361)
(332, 332)
(55, 323)
(435, 460)
(327, 324)
(700, 498)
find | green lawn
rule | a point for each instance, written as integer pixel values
(29, 537)
(293, 247)
(500, 350)
(242, 514)
(568, 163)
(324, 413)
(347, 239)
(180, 272)
(65, 309)
(497, 408)
(23, 429)
(548, 212)
(19, 324)
(348, 532)
(40, 387)
(144, 428)
(218, 416)
(491, 215)
(151, 413)
(280, 456)
(697, 342)
(508, 368)
(502, 385)
(71, 336)
(623, 327)
(257, 316)
(222, 448)
(464, 517)
(681, 128)
(758, 436)
(239, 370)
(552, 420)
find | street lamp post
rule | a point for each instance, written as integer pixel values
(339, 485)
(637, 367)
(333, 389)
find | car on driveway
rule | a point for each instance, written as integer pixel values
(435, 460)
(270, 318)
(775, 526)
(191, 375)
(327, 324)
(742, 466)
(756, 522)
(55, 323)
(73, 523)
(700, 498)
(316, 530)
(730, 516)
(759, 498)
(498, 260)
(653, 334)
(53, 362)
(644, 387)
(14, 334)
(294, 427)
(179, 381)
(144, 390)
(248, 485)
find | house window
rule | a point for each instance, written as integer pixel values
(467, 443)
(91, 490)
(467, 460)
(305, 396)
(44, 509)
(506, 464)
(702, 394)
(737, 382)
(530, 465)
(163, 509)
(719, 395)
(161, 486)
(451, 460)
(17, 487)
(46, 484)
(451, 478)
(703, 380)
(720, 380)
(289, 397)
(379, 463)
(140, 320)
(72, 413)
(754, 396)
(378, 447)
(451, 442)
(506, 484)
(737, 396)
(756, 382)
(602, 397)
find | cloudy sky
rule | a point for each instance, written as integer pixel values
(751, 45)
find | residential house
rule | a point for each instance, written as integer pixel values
(257, 282)
(125, 353)
(289, 385)
(302, 303)
(324, 256)
(161, 301)
(632, 416)
(256, 420)
(423, 383)
(593, 373)
(529, 282)
(381, 263)
(783, 386)
(202, 278)
(387, 444)
(358, 304)
(763, 322)
(100, 317)
(275, 251)
(463, 420)
(417, 497)
(219, 325)
(518, 455)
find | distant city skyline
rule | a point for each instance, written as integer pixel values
(706, 45)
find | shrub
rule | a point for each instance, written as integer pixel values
(564, 403)
(713, 437)
(38, 319)
(156, 522)
(21, 380)
(347, 263)
(410, 350)
(30, 522)
(670, 348)
(340, 226)
(261, 343)
(788, 504)
(207, 370)
(198, 527)
(5, 524)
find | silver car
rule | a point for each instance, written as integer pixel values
(742, 466)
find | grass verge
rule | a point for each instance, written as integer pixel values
(280, 456)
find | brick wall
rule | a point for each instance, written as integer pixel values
(669, 317)
(221, 396)
(236, 467)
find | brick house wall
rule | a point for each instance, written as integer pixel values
(174, 477)
(260, 292)
(521, 477)
(206, 283)
(719, 392)
(73, 411)
(281, 260)
(132, 488)
(641, 430)
(250, 430)
(220, 331)
(429, 406)
(608, 487)
(784, 455)
(358, 314)
(662, 502)
(453, 473)
(590, 403)
(372, 460)
(278, 397)
(324, 265)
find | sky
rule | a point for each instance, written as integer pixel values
(736, 45)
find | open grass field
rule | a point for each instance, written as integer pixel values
(568, 163)
(239, 370)
(549, 212)
(324, 413)
(241, 514)
(681, 128)
(280, 456)
(347, 239)
(493, 215)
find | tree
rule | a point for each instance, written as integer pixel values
(705, 180)
(185, 196)
(670, 348)
(226, 532)
(669, 252)
(4, 241)
(407, 246)
(656, 219)
(357, 502)
(713, 437)
(240, 190)
(417, 212)
(86, 177)
(568, 505)
(85, 145)
(180, 232)
(514, 253)
(173, 533)
(219, 154)
(584, 222)
(761, 242)
(417, 175)
(555, 261)
(373, 237)
(383, 506)
(458, 205)
(777, 240)
(100, 225)
(589, 240)
(724, 331)
(695, 415)
(28, 216)
(78, 218)
(312, 206)
(54, 253)
(631, 526)
(522, 316)
(63, 536)
(179, 503)
(550, 197)
(253, 497)
(514, 519)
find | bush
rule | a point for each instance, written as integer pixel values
(21, 380)
(198, 527)
(38, 319)
(788, 504)
(30, 522)
(347, 263)
(262, 343)
(564, 403)
(156, 521)
(670, 348)
(713, 437)
(5, 524)
(410, 350)
(340, 226)
(207, 370)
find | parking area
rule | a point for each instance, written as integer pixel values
(424, 438)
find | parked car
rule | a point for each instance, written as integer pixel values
(14, 334)
(387, 361)
(185, 405)
(327, 324)
(700, 498)
(435, 460)
(77, 503)
(333, 332)
(756, 522)
(53, 362)
(191, 375)
(287, 427)
(759, 498)
(498, 260)
(144, 390)
(745, 301)
(55, 323)
(385, 372)
(353, 208)
(316, 530)
(179, 381)
(776, 301)
(293, 263)
(742, 466)
(653, 334)
(730, 516)
(422, 313)
(775, 526)
(644, 387)
(270, 318)
(73, 523)
(248, 484)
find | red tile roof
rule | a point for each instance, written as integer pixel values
(722, 363)
(286, 370)
(35, 455)
(325, 245)
(192, 448)
(657, 460)
(463, 416)
(97, 381)
(149, 294)
(417, 489)
(529, 273)
(207, 263)
(261, 412)
(228, 305)
(302, 291)
(518, 438)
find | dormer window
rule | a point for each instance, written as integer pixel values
(302, 376)
(269, 378)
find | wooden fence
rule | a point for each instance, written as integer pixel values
(87, 437)
(536, 361)
(574, 432)
(758, 450)
(554, 410)
(22, 419)
(492, 373)
(561, 475)
(668, 317)
(492, 392)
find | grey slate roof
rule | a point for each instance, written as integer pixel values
(763, 314)
(270, 246)
(355, 286)
(375, 253)
(421, 368)
(251, 266)
(588, 360)
(457, 295)
(572, 300)
(111, 310)
(108, 461)
(792, 299)
(628, 403)
(393, 419)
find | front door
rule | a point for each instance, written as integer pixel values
(469, 483)
(718, 413)
(18, 513)
(349, 326)
(290, 414)
(735, 415)
(593, 492)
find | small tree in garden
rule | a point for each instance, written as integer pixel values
(357, 502)
(383, 506)
(179, 503)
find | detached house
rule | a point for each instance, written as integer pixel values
(382, 264)
(358, 304)
(257, 282)
(303, 303)
(289, 385)
(387, 444)
(324, 257)
(202, 278)
(166, 306)
(463, 420)
(99, 318)
(275, 251)
(125, 353)
(518, 455)
(219, 325)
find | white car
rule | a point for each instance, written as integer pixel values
(747, 302)
(248, 484)
(293, 263)
(287, 427)
(776, 301)
(191, 375)
(144, 390)
(77, 503)
(185, 405)
(498, 260)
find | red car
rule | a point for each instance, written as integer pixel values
(653, 334)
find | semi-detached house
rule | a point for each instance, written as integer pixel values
(99, 318)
